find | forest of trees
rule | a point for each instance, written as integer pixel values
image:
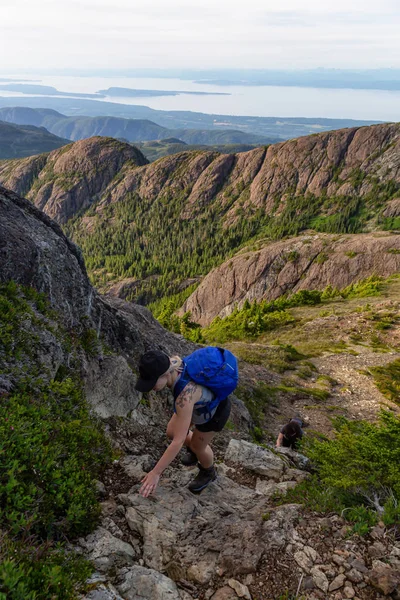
(151, 243)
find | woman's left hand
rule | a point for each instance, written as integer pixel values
(149, 484)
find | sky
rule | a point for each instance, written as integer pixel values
(41, 35)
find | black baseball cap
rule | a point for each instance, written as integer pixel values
(152, 365)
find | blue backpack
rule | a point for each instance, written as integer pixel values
(214, 368)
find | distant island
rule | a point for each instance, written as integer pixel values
(7, 80)
(356, 79)
(306, 83)
(135, 93)
(43, 90)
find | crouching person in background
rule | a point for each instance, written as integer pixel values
(291, 434)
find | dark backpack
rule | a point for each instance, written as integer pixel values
(214, 368)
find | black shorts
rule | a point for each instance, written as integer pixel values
(220, 418)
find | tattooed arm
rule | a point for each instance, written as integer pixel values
(184, 409)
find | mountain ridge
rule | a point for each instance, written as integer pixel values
(134, 130)
(180, 216)
(18, 141)
(281, 127)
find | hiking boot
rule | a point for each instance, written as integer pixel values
(203, 478)
(189, 459)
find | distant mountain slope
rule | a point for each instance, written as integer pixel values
(307, 262)
(67, 181)
(133, 130)
(177, 218)
(25, 140)
(280, 127)
(155, 149)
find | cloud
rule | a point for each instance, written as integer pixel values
(202, 34)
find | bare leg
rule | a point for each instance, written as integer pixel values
(199, 444)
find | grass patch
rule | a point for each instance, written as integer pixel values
(257, 399)
(278, 358)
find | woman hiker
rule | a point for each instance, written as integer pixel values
(157, 371)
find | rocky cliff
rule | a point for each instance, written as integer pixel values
(35, 252)
(308, 262)
(69, 180)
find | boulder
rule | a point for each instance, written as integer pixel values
(320, 579)
(385, 579)
(337, 583)
(107, 551)
(255, 459)
(241, 590)
(269, 489)
(102, 593)
(225, 593)
(139, 583)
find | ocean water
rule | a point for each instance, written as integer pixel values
(262, 101)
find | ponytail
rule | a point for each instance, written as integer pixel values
(176, 364)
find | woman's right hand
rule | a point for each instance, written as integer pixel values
(149, 484)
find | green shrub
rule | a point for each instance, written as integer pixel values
(321, 258)
(256, 400)
(387, 380)
(51, 450)
(249, 322)
(40, 573)
(372, 286)
(293, 256)
(361, 465)
(90, 342)
(390, 223)
(363, 519)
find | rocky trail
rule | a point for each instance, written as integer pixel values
(232, 540)
(237, 539)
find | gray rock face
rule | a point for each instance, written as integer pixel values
(280, 528)
(106, 551)
(139, 583)
(255, 459)
(35, 252)
(110, 386)
(102, 593)
(267, 274)
(197, 535)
